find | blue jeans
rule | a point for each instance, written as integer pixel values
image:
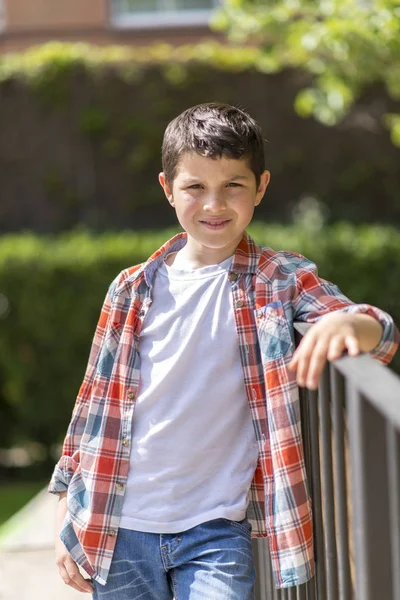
(212, 561)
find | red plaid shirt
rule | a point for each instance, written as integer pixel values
(270, 290)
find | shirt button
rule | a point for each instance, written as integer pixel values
(112, 532)
(119, 485)
(233, 276)
(239, 304)
(259, 313)
(125, 442)
(141, 313)
(131, 395)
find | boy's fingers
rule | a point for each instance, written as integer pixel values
(295, 357)
(306, 351)
(351, 343)
(292, 366)
(336, 347)
(317, 364)
(67, 579)
(76, 580)
(88, 586)
(310, 357)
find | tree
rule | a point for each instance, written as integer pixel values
(346, 45)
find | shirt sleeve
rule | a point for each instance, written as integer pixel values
(314, 297)
(69, 461)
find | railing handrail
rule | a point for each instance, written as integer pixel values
(371, 378)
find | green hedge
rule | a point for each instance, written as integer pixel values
(51, 290)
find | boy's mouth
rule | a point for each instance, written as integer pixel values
(215, 223)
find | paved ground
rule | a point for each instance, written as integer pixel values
(27, 563)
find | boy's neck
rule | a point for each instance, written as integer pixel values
(193, 256)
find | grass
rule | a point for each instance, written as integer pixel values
(14, 496)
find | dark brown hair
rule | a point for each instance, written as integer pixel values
(213, 130)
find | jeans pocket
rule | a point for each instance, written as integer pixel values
(244, 525)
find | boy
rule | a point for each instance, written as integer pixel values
(185, 436)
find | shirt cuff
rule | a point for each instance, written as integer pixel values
(390, 339)
(62, 475)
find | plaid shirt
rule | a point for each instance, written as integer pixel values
(270, 290)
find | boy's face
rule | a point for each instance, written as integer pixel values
(214, 200)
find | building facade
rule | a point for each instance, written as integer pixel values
(25, 23)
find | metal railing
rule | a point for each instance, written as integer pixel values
(351, 438)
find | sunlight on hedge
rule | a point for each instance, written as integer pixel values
(344, 46)
(56, 57)
(52, 288)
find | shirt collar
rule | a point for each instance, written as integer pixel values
(156, 259)
(245, 260)
(247, 256)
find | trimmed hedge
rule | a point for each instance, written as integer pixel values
(52, 288)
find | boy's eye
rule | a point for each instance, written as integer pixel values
(197, 186)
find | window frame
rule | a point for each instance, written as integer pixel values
(155, 20)
(3, 16)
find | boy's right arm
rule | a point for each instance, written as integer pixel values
(70, 458)
(67, 567)
(67, 465)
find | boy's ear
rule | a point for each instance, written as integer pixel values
(264, 181)
(166, 187)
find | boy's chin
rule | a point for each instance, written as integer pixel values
(215, 241)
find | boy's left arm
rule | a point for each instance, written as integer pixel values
(340, 325)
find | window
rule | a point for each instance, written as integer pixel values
(161, 13)
(2, 16)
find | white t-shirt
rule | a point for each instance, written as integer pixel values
(193, 451)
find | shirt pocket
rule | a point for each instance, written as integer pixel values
(273, 331)
(109, 350)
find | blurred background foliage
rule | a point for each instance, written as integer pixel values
(346, 45)
(80, 153)
(53, 287)
(82, 129)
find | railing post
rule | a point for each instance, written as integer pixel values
(370, 499)
(306, 591)
(316, 495)
(393, 450)
(327, 486)
(342, 536)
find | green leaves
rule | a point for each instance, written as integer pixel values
(392, 121)
(346, 46)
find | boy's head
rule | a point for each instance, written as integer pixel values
(214, 176)
(213, 130)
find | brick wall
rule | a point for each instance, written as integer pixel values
(55, 14)
(33, 22)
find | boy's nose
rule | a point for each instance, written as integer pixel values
(214, 203)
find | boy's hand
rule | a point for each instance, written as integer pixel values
(328, 339)
(69, 571)
(67, 567)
